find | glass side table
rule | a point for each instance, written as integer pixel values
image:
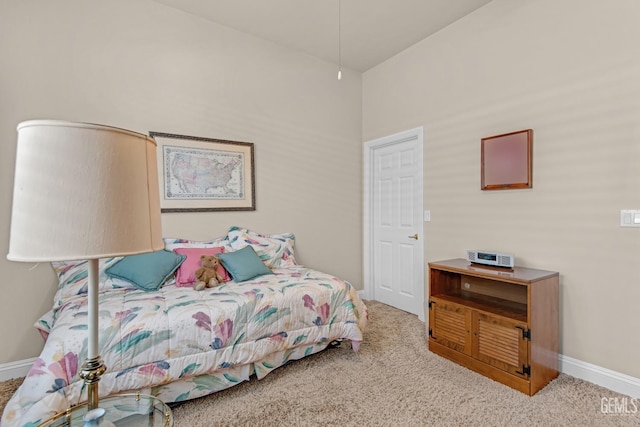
(130, 410)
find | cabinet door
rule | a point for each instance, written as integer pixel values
(499, 342)
(450, 325)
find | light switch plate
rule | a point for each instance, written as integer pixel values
(427, 216)
(630, 218)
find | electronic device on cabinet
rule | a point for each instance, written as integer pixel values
(492, 258)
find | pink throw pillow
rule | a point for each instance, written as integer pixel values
(186, 274)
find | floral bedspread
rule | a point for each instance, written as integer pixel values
(179, 344)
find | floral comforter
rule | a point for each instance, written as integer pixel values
(179, 344)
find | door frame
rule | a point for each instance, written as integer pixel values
(369, 148)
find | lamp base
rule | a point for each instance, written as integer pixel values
(95, 418)
(92, 370)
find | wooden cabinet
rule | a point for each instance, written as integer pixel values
(502, 323)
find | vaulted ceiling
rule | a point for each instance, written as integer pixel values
(371, 31)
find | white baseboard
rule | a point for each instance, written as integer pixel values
(615, 381)
(15, 369)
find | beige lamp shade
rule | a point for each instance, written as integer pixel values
(83, 191)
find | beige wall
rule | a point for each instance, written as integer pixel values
(570, 71)
(146, 67)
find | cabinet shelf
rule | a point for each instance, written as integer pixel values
(489, 304)
(502, 324)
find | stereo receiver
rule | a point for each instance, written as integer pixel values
(495, 259)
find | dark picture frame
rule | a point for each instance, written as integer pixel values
(204, 174)
(506, 161)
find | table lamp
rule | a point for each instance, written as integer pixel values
(84, 192)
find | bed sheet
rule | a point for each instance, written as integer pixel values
(179, 344)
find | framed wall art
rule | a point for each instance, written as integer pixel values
(204, 174)
(506, 161)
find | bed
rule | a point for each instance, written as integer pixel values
(173, 342)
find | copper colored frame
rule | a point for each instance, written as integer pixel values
(506, 161)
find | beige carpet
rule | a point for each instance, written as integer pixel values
(392, 381)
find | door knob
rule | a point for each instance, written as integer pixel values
(415, 236)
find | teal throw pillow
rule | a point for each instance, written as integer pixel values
(147, 271)
(243, 264)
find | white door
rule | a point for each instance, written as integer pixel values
(394, 264)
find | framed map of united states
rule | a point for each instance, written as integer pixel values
(204, 174)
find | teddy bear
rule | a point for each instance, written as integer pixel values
(207, 275)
